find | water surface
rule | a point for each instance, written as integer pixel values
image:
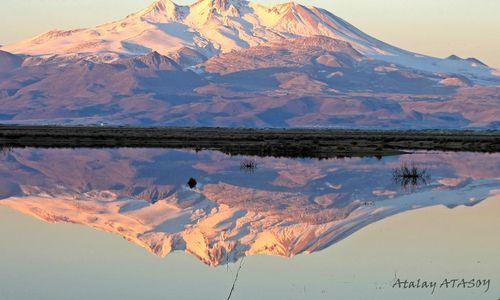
(305, 228)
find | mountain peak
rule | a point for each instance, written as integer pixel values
(9, 61)
(211, 8)
(166, 8)
(164, 4)
(222, 5)
(291, 4)
(470, 59)
(212, 27)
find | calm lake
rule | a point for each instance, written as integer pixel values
(179, 224)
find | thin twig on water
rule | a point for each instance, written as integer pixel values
(235, 280)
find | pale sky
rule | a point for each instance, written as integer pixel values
(468, 28)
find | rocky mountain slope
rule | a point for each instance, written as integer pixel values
(237, 63)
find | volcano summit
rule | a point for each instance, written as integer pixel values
(237, 63)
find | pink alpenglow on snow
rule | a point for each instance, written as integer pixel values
(235, 63)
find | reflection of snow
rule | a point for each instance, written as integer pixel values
(143, 196)
(335, 187)
(386, 193)
(217, 233)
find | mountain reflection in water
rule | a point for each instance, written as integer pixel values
(239, 206)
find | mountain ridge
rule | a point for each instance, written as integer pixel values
(213, 27)
(239, 64)
(302, 82)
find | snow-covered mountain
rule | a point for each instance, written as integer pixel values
(217, 26)
(236, 63)
(210, 26)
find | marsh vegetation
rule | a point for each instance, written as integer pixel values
(248, 165)
(409, 175)
(303, 143)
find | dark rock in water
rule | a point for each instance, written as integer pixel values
(192, 183)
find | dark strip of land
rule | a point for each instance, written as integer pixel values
(319, 143)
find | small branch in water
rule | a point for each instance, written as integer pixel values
(235, 279)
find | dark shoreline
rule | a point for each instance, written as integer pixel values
(317, 143)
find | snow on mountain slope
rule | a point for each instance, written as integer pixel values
(208, 25)
(214, 26)
(298, 52)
